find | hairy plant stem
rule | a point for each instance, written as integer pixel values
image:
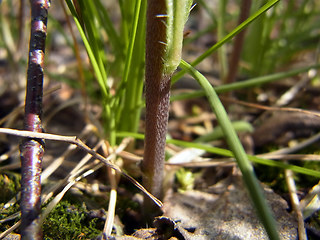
(31, 150)
(157, 103)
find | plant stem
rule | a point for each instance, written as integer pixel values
(238, 43)
(31, 150)
(157, 102)
(226, 38)
(234, 143)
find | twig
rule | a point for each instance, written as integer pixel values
(31, 150)
(76, 141)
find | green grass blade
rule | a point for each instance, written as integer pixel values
(228, 153)
(132, 41)
(233, 141)
(102, 82)
(246, 84)
(254, 159)
(106, 23)
(126, 9)
(217, 133)
(131, 86)
(229, 36)
(92, 26)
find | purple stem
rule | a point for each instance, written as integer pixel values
(31, 150)
(157, 104)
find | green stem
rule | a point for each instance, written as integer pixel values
(233, 141)
(228, 37)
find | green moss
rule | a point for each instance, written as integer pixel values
(273, 177)
(9, 185)
(68, 221)
(6, 212)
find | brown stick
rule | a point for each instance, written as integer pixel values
(31, 150)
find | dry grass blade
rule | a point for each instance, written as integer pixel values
(57, 162)
(11, 217)
(75, 173)
(75, 140)
(295, 203)
(112, 204)
(283, 109)
(113, 192)
(301, 157)
(10, 230)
